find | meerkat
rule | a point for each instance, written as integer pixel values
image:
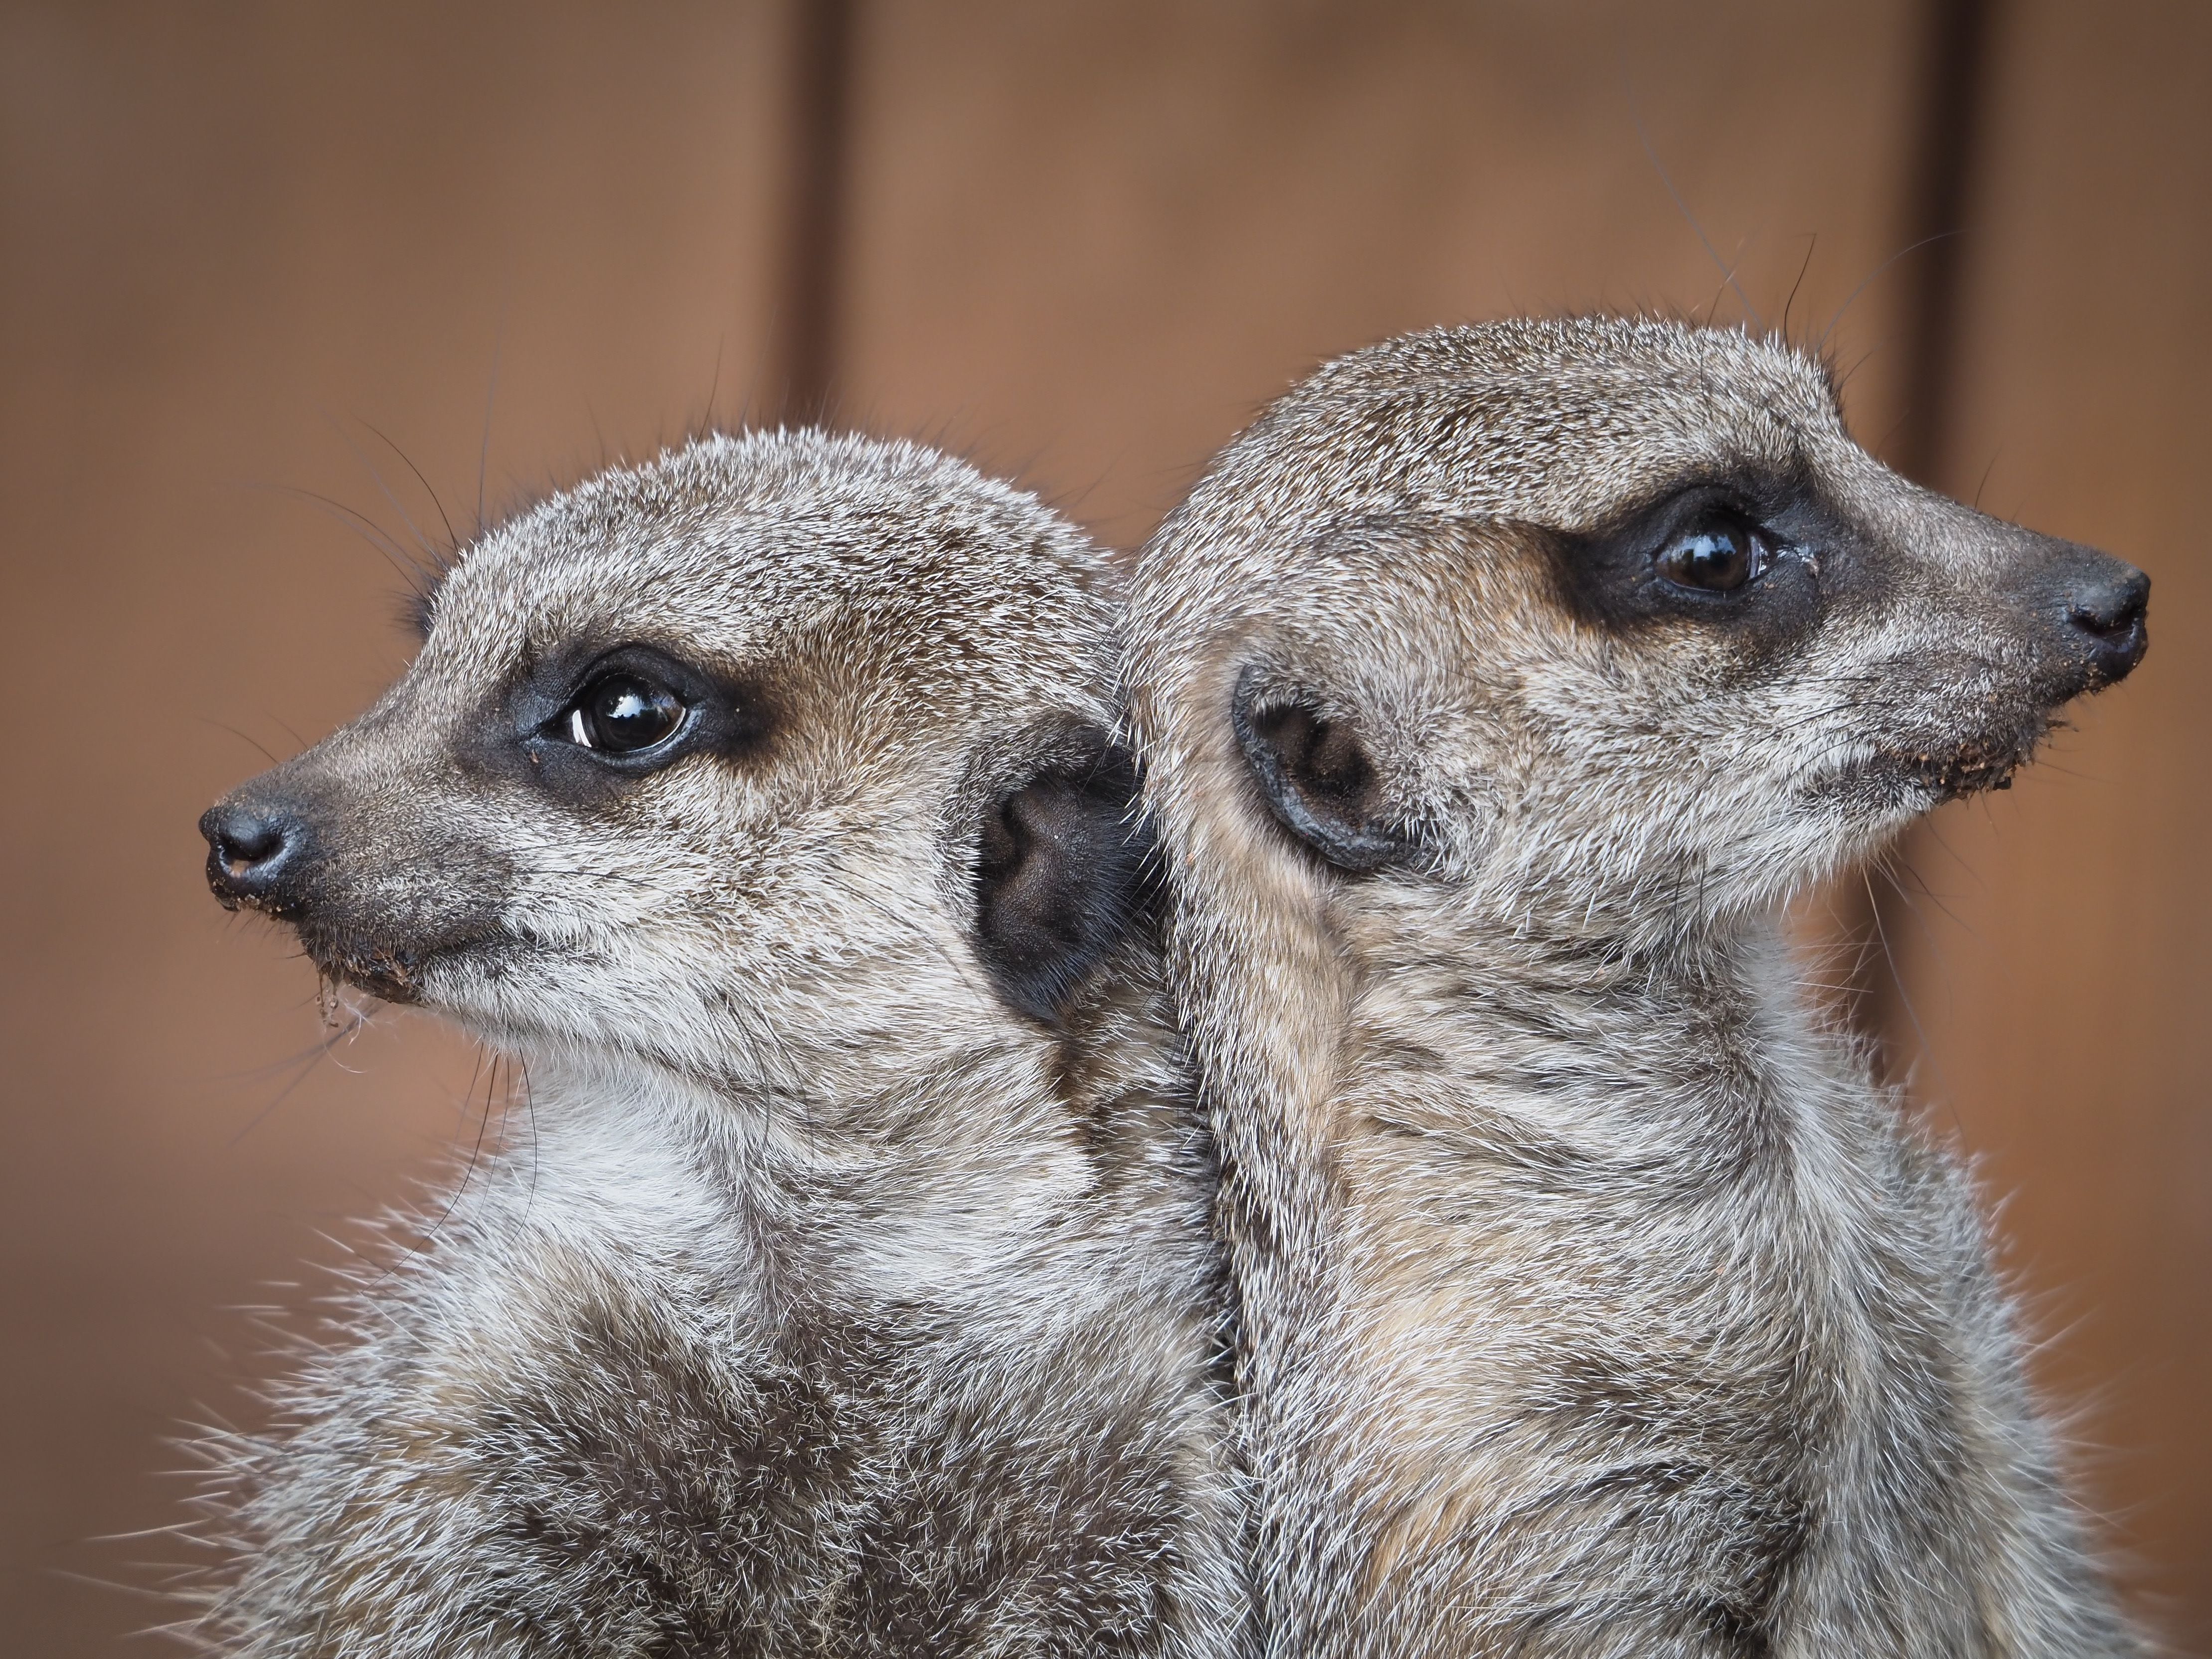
(1494, 692)
(850, 1291)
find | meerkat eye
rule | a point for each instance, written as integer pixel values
(621, 714)
(1718, 555)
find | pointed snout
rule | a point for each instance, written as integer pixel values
(259, 848)
(360, 847)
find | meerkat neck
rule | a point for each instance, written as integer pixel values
(796, 1123)
(997, 1133)
(1451, 1052)
(1518, 1147)
(1610, 1041)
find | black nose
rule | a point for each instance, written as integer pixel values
(253, 851)
(2107, 611)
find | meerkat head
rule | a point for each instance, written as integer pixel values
(771, 762)
(1609, 620)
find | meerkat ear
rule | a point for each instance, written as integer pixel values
(1316, 774)
(1063, 874)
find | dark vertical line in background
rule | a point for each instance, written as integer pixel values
(814, 215)
(1952, 97)
(1944, 163)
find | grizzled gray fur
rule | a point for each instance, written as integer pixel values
(848, 1290)
(1496, 690)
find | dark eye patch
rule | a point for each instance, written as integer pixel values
(1741, 556)
(584, 722)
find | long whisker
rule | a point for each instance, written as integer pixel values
(320, 1052)
(429, 552)
(491, 393)
(451, 540)
(221, 726)
(409, 569)
(1651, 155)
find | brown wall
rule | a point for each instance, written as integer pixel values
(1080, 242)
(2058, 952)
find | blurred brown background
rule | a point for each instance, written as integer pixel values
(241, 246)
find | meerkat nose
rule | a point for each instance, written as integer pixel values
(2107, 610)
(252, 848)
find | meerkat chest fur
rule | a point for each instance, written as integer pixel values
(1625, 1242)
(1622, 1312)
(675, 1373)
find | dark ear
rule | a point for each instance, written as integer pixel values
(1063, 874)
(1315, 775)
